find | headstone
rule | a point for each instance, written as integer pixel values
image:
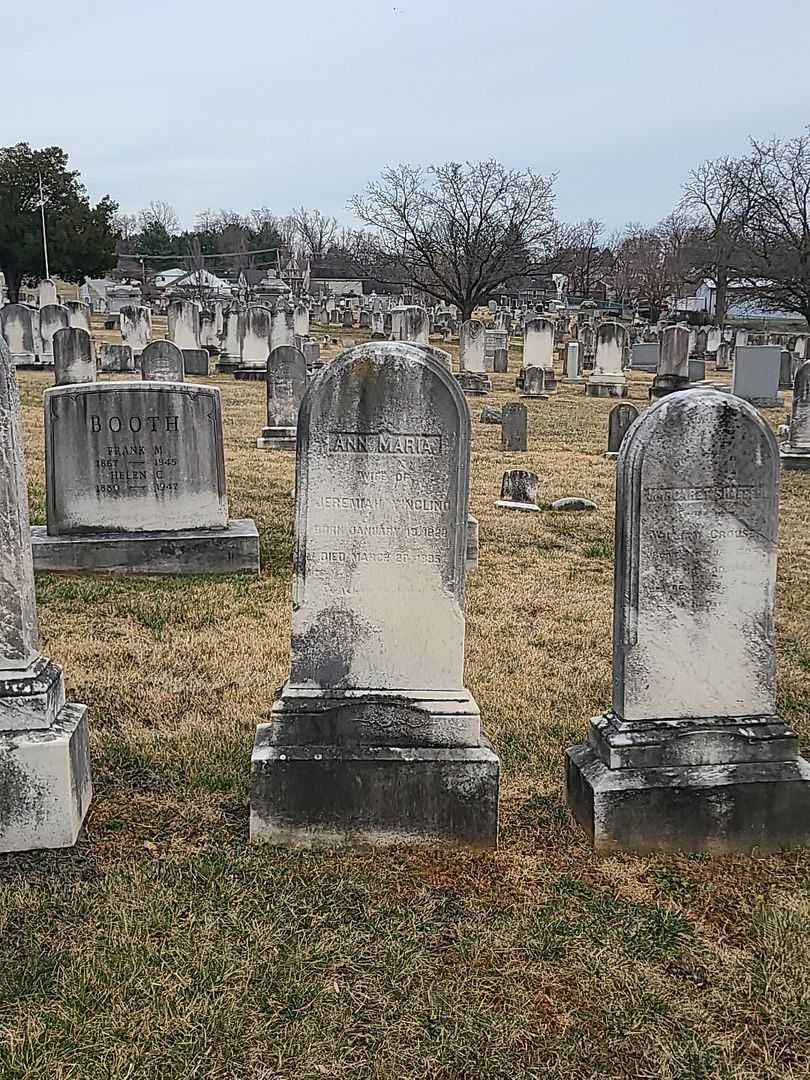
(377, 322)
(162, 361)
(135, 482)
(374, 737)
(44, 762)
(411, 323)
(79, 315)
(572, 363)
(795, 453)
(282, 328)
(254, 336)
(500, 361)
(697, 370)
(723, 359)
(491, 414)
(438, 354)
(786, 370)
(196, 362)
(52, 317)
(365, 320)
(209, 335)
(692, 755)
(534, 383)
(17, 328)
(286, 384)
(644, 356)
(312, 354)
(47, 293)
(714, 336)
(514, 427)
(620, 418)
(756, 375)
(184, 323)
(518, 490)
(538, 350)
(230, 350)
(673, 362)
(348, 318)
(494, 341)
(301, 320)
(115, 358)
(607, 378)
(74, 360)
(573, 504)
(471, 355)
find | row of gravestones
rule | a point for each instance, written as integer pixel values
(374, 736)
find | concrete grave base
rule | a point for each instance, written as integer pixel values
(792, 460)
(45, 783)
(331, 796)
(534, 397)
(507, 504)
(595, 388)
(717, 786)
(572, 382)
(276, 438)
(259, 374)
(233, 550)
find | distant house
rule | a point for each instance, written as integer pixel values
(201, 282)
(168, 277)
(742, 302)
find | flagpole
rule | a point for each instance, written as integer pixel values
(44, 235)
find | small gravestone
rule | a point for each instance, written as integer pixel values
(673, 362)
(196, 362)
(494, 341)
(795, 453)
(572, 368)
(786, 369)
(697, 370)
(52, 317)
(500, 361)
(255, 324)
(620, 418)
(45, 786)
(644, 356)
(73, 358)
(162, 361)
(282, 327)
(491, 414)
(312, 354)
(135, 482)
(607, 378)
(115, 358)
(17, 328)
(723, 357)
(79, 315)
(693, 756)
(514, 427)
(518, 490)
(301, 320)
(573, 503)
(538, 351)
(374, 738)
(46, 292)
(286, 385)
(756, 375)
(534, 383)
(230, 339)
(348, 319)
(136, 327)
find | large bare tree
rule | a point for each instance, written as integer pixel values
(315, 230)
(460, 233)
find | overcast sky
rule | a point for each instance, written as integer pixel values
(248, 103)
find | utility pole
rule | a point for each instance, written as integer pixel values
(44, 235)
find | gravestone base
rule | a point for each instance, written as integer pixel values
(550, 380)
(226, 365)
(233, 550)
(572, 382)
(667, 384)
(605, 386)
(276, 438)
(45, 780)
(534, 397)
(332, 796)
(474, 383)
(612, 455)
(244, 373)
(690, 785)
(508, 504)
(793, 460)
(766, 403)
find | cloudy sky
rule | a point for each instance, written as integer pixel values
(248, 103)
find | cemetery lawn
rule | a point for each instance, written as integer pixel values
(164, 946)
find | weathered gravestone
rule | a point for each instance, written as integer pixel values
(410, 323)
(471, 347)
(795, 453)
(495, 341)
(184, 323)
(282, 327)
(79, 315)
(644, 356)
(786, 369)
(673, 362)
(163, 361)
(538, 351)
(74, 360)
(608, 379)
(196, 362)
(697, 369)
(17, 327)
(52, 317)
(135, 483)
(518, 490)
(534, 383)
(255, 325)
(572, 363)
(491, 414)
(115, 358)
(45, 786)
(230, 339)
(692, 755)
(500, 361)
(286, 385)
(756, 375)
(620, 418)
(374, 738)
(301, 320)
(723, 357)
(46, 291)
(514, 427)
(136, 327)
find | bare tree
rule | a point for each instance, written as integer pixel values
(774, 248)
(161, 214)
(315, 230)
(588, 260)
(460, 233)
(719, 193)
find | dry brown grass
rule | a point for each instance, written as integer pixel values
(164, 946)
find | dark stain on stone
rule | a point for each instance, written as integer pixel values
(325, 652)
(20, 797)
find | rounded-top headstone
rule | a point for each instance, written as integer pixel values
(162, 361)
(74, 360)
(800, 415)
(620, 418)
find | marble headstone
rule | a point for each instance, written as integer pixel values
(518, 490)
(136, 327)
(514, 427)
(472, 345)
(607, 378)
(619, 420)
(795, 453)
(74, 360)
(184, 323)
(162, 361)
(756, 374)
(286, 385)
(17, 328)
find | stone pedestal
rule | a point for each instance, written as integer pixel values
(276, 438)
(474, 384)
(606, 386)
(668, 384)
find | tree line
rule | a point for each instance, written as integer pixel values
(460, 233)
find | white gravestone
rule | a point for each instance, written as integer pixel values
(74, 360)
(756, 374)
(607, 378)
(44, 762)
(286, 385)
(136, 327)
(254, 336)
(472, 343)
(374, 737)
(163, 361)
(282, 328)
(184, 324)
(301, 320)
(538, 350)
(692, 755)
(795, 453)
(52, 317)
(673, 362)
(17, 327)
(47, 293)
(79, 315)
(572, 363)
